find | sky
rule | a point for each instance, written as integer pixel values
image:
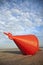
(20, 17)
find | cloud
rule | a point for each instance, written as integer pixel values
(18, 20)
(23, 18)
(16, 15)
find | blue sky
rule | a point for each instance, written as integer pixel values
(20, 17)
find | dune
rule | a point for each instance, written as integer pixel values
(15, 57)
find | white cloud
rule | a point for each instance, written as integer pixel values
(1, 22)
(39, 22)
(20, 19)
(14, 22)
(16, 11)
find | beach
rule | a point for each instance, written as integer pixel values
(15, 57)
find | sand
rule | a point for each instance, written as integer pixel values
(15, 57)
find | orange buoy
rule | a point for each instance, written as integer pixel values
(28, 44)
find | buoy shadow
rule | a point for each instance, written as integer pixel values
(13, 52)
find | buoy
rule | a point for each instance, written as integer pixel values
(28, 44)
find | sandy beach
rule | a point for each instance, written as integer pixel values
(15, 57)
